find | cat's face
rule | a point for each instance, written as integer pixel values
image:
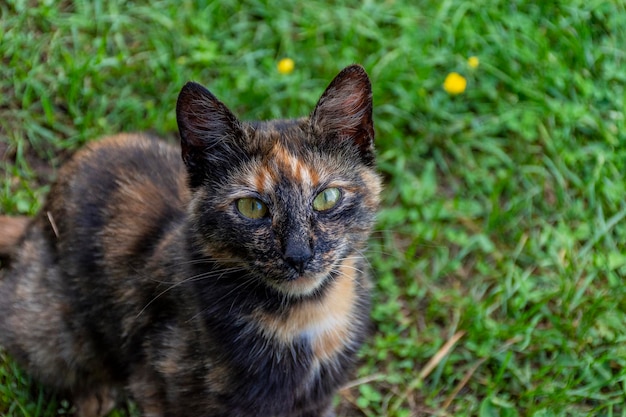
(287, 201)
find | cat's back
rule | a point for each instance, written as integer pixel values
(116, 197)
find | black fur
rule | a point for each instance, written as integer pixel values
(141, 276)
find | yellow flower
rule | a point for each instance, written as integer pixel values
(473, 61)
(454, 83)
(286, 66)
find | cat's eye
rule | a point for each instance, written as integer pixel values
(327, 199)
(252, 208)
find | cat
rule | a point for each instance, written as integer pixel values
(229, 282)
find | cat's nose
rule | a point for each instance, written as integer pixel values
(298, 256)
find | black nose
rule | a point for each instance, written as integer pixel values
(298, 256)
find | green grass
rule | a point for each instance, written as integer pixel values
(500, 255)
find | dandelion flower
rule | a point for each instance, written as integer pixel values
(473, 61)
(454, 83)
(286, 66)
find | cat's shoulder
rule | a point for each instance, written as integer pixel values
(131, 144)
(134, 174)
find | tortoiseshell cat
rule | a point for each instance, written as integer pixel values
(229, 283)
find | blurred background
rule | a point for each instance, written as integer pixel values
(500, 254)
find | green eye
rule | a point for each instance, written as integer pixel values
(327, 199)
(252, 208)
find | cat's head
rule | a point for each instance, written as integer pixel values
(288, 201)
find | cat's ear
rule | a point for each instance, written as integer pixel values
(344, 112)
(208, 130)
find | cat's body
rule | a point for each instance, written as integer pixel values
(230, 284)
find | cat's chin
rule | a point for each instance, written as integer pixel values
(301, 286)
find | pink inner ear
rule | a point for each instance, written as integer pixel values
(345, 109)
(355, 108)
(354, 100)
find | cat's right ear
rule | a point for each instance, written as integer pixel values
(208, 130)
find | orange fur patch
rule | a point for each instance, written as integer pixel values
(290, 165)
(11, 231)
(325, 322)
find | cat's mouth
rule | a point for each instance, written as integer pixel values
(301, 285)
(306, 284)
(296, 283)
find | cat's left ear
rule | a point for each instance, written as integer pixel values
(344, 112)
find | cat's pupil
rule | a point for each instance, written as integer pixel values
(327, 199)
(252, 208)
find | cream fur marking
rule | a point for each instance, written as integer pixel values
(325, 322)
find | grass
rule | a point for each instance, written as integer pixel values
(500, 254)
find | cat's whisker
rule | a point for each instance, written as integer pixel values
(361, 254)
(360, 271)
(343, 273)
(241, 286)
(202, 276)
(203, 261)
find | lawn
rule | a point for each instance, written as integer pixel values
(500, 253)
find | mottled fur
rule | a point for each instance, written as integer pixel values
(139, 277)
